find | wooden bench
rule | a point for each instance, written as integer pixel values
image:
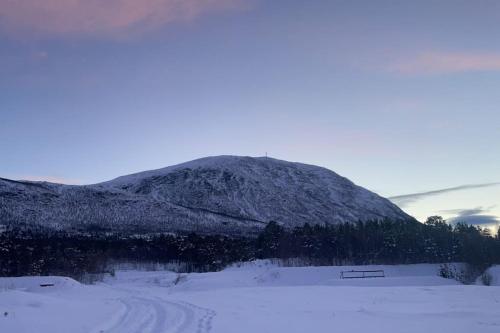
(362, 274)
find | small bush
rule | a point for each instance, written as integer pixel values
(448, 271)
(486, 279)
(179, 278)
(467, 274)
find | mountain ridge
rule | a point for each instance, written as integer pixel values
(212, 194)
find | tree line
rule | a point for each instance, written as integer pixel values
(26, 251)
(383, 242)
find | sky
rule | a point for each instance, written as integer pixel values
(401, 97)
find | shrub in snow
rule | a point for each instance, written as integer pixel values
(486, 279)
(449, 271)
(180, 278)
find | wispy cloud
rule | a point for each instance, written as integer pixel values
(484, 220)
(405, 199)
(475, 216)
(467, 211)
(447, 62)
(103, 18)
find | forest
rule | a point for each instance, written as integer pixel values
(28, 251)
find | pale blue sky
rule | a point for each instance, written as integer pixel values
(398, 96)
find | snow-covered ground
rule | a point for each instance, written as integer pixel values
(255, 297)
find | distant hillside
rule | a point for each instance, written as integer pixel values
(228, 194)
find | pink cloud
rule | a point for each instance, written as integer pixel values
(448, 62)
(101, 17)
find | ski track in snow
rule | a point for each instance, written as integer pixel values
(148, 314)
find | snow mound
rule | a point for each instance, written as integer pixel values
(263, 273)
(143, 278)
(494, 272)
(38, 283)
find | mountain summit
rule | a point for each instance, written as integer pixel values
(213, 194)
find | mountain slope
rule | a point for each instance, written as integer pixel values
(212, 194)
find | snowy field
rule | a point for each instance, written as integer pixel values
(257, 297)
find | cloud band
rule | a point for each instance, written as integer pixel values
(406, 199)
(447, 62)
(102, 17)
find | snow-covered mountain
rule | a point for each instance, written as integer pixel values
(228, 194)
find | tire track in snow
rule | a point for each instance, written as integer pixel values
(145, 314)
(142, 315)
(204, 324)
